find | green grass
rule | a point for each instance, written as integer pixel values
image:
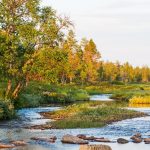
(90, 115)
(33, 95)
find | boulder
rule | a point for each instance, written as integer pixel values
(136, 140)
(147, 140)
(3, 145)
(19, 143)
(73, 140)
(122, 141)
(137, 135)
(95, 147)
(102, 140)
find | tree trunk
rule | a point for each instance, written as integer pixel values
(63, 78)
(9, 86)
(71, 79)
(16, 91)
(27, 81)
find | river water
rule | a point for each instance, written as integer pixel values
(13, 130)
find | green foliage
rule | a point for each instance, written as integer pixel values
(56, 98)
(6, 109)
(25, 30)
(67, 96)
(28, 100)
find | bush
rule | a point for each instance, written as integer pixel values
(6, 109)
(65, 97)
(28, 100)
(53, 97)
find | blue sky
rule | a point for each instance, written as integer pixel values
(120, 28)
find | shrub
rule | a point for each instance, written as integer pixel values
(6, 109)
(28, 100)
(53, 97)
(67, 96)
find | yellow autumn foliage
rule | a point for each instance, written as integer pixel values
(140, 100)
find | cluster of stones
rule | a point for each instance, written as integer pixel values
(81, 139)
(137, 138)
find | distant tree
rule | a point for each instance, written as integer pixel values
(91, 58)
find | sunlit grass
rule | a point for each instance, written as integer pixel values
(140, 100)
(90, 115)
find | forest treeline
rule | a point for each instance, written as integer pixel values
(81, 63)
(38, 44)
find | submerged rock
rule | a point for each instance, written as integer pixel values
(51, 139)
(95, 147)
(19, 143)
(84, 137)
(73, 140)
(122, 141)
(102, 140)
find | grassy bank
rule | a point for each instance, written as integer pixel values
(37, 94)
(120, 92)
(90, 115)
(41, 93)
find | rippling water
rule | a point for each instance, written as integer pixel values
(102, 97)
(13, 131)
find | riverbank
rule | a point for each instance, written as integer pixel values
(89, 115)
(38, 94)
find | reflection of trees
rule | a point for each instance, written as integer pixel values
(139, 105)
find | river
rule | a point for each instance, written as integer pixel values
(13, 130)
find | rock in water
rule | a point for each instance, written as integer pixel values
(147, 140)
(2, 145)
(19, 143)
(103, 140)
(51, 139)
(95, 147)
(138, 135)
(122, 141)
(73, 140)
(136, 140)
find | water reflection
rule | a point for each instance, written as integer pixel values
(102, 97)
(139, 105)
